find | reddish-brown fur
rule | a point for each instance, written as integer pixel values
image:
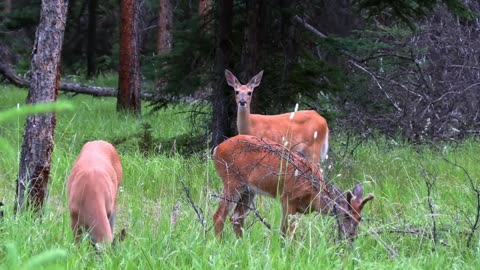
(249, 165)
(93, 191)
(298, 131)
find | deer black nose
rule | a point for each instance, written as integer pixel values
(242, 103)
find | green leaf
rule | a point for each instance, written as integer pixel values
(24, 110)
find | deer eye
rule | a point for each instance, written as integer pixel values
(236, 92)
(249, 93)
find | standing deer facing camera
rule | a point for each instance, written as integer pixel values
(306, 131)
(92, 191)
(250, 165)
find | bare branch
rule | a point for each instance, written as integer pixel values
(476, 190)
(253, 209)
(430, 183)
(309, 27)
(198, 210)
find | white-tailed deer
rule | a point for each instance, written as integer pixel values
(93, 191)
(249, 165)
(306, 131)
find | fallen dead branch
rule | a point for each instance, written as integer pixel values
(76, 88)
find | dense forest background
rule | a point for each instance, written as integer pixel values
(408, 68)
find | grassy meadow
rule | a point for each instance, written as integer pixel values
(406, 226)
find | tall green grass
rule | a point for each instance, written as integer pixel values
(396, 232)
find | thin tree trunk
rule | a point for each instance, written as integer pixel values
(250, 50)
(251, 46)
(164, 41)
(204, 7)
(204, 11)
(37, 143)
(7, 7)
(92, 38)
(128, 98)
(287, 32)
(223, 107)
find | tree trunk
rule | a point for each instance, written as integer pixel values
(204, 7)
(164, 41)
(223, 106)
(37, 143)
(92, 38)
(252, 43)
(287, 34)
(252, 37)
(128, 98)
(7, 7)
(204, 11)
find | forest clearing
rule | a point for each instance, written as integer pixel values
(422, 217)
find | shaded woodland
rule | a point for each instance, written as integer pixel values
(407, 68)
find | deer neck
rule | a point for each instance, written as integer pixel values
(328, 200)
(243, 120)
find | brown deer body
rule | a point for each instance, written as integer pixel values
(249, 165)
(305, 131)
(92, 191)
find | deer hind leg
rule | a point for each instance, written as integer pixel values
(241, 212)
(111, 221)
(223, 209)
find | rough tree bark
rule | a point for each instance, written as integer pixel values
(92, 38)
(128, 98)
(223, 107)
(164, 40)
(37, 143)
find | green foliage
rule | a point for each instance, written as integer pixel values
(22, 111)
(43, 260)
(408, 10)
(24, 14)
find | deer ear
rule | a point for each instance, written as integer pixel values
(255, 81)
(358, 191)
(231, 79)
(364, 201)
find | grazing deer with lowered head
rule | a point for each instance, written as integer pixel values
(93, 191)
(306, 131)
(250, 165)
